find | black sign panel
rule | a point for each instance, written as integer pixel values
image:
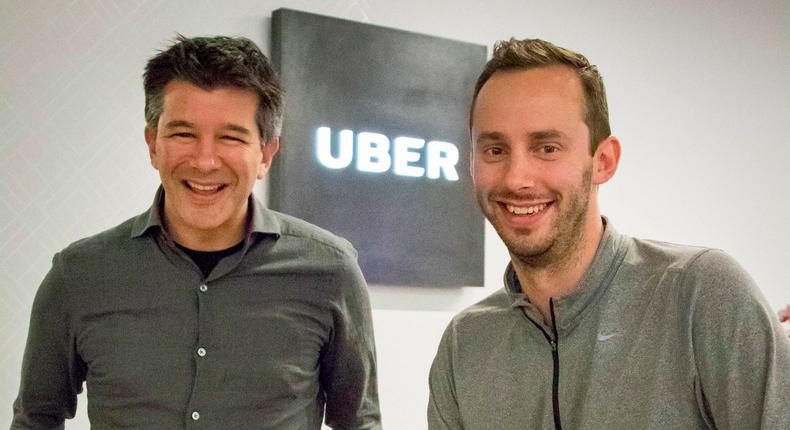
(375, 145)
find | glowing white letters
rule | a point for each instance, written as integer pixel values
(442, 157)
(373, 154)
(403, 156)
(323, 148)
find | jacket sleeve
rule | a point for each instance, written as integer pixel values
(348, 363)
(443, 410)
(52, 372)
(741, 354)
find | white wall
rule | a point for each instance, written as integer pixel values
(698, 93)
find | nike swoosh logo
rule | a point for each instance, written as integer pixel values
(603, 337)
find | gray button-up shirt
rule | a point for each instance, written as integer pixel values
(278, 332)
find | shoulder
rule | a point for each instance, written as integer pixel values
(84, 260)
(721, 284)
(700, 271)
(484, 317)
(479, 334)
(683, 263)
(663, 255)
(312, 251)
(695, 263)
(309, 238)
(711, 283)
(100, 245)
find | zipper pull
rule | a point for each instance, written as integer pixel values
(553, 345)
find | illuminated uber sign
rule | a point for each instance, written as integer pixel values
(373, 154)
(375, 145)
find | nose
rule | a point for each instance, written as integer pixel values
(520, 172)
(205, 157)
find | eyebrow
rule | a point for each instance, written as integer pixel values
(533, 136)
(545, 134)
(236, 128)
(230, 127)
(178, 123)
(490, 135)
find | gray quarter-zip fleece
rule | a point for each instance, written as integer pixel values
(656, 336)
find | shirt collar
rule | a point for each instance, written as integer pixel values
(263, 221)
(569, 309)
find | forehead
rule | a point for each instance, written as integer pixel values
(542, 91)
(230, 104)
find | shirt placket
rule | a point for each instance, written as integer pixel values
(196, 413)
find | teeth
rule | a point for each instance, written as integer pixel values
(204, 187)
(529, 210)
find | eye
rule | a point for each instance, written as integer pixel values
(549, 149)
(494, 151)
(233, 139)
(183, 135)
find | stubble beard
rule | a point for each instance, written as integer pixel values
(555, 250)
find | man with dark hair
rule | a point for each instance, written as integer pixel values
(593, 329)
(208, 310)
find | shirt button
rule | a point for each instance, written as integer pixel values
(201, 352)
(195, 415)
(203, 288)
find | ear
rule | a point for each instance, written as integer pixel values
(150, 140)
(268, 150)
(606, 160)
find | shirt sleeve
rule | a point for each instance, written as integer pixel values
(443, 411)
(348, 363)
(52, 372)
(742, 356)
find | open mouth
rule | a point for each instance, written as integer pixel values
(527, 210)
(204, 189)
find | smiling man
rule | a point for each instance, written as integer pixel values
(593, 329)
(208, 310)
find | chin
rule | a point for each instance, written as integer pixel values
(203, 221)
(527, 251)
(527, 245)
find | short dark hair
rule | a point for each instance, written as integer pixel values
(527, 54)
(213, 62)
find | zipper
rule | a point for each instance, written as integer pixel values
(555, 358)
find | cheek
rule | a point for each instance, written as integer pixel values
(160, 161)
(484, 183)
(480, 171)
(478, 178)
(490, 176)
(245, 166)
(563, 172)
(170, 156)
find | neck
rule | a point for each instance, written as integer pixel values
(562, 277)
(208, 241)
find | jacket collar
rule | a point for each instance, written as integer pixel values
(570, 309)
